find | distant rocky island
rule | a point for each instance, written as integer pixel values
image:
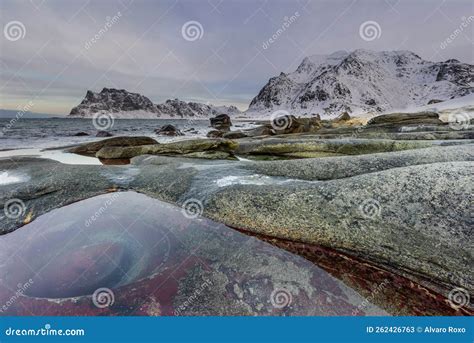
(129, 105)
(355, 82)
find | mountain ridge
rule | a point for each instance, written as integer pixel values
(331, 84)
(127, 105)
(358, 82)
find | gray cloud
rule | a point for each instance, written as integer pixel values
(144, 51)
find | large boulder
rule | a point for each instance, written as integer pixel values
(169, 149)
(168, 130)
(400, 119)
(263, 130)
(103, 133)
(234, 135)
(215, 134)
(221, 122)
(80, 134)
(290, 124)
(90, 149)
(344, 116)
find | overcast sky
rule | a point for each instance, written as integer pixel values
(144, 48)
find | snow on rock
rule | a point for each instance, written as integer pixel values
(362, 81)
(123, 104)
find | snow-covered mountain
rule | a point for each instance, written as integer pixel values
(180, 109)
(363, 81)
(124, 104)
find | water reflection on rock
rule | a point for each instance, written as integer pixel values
(156, 261)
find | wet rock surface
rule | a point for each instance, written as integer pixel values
(221, 122)
(164, 263)
(168, 130)
(385, 202)
(102, 133)
(175, 148)
(91, 149)
(170, 261)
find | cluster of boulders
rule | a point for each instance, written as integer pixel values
(284, 124)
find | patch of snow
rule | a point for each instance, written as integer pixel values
(7, 178)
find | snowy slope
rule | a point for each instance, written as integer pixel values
(362, 81)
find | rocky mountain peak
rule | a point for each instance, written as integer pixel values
(363, 81)
(124, 104)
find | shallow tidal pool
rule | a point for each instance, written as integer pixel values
(125, 253)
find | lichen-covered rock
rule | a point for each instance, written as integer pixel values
(347, 166)
(394, 217)
(234, 135)
(215, 134)
(277, 146)
(90, 149)
(406, 119)
(290, 124)
(174, 148)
